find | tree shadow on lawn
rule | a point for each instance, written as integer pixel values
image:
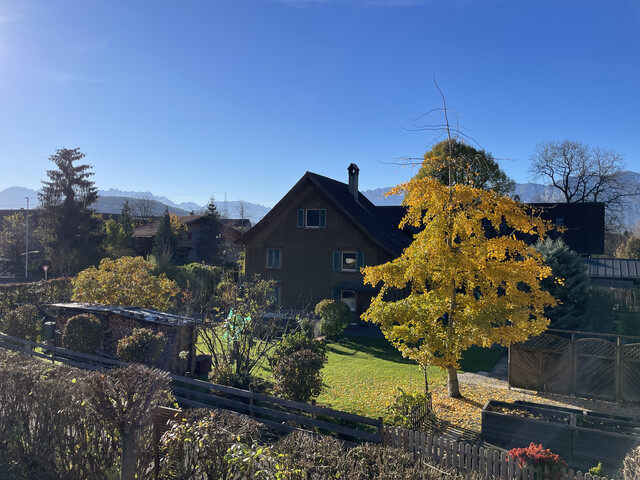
(375, 347)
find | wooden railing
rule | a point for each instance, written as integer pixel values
(466, 458)
(276, 413)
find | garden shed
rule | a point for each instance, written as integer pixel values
(118, 322)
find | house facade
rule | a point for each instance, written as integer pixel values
(318, 236)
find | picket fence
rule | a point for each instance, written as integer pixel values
(466, 458)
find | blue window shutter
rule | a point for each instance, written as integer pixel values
(335, 294)
(301, 218)
(336, 260)
(359, 260)
(323, 218)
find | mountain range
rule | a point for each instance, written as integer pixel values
(112, 200)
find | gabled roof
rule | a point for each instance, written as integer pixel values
(380, 224)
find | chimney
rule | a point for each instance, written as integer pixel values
(353, 180)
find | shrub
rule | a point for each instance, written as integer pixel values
(296, 363)
(298, 375)
(82, 333)
(631, 465)
(196, 448)
(335, 315)
(538, 456)
(142, 346)
(402, 406)
(223, 374)
(22, 322)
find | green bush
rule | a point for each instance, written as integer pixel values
(296, 363)
(142, 346)
(38, 293)
(335, 316)
(22, 322)
(82, 333)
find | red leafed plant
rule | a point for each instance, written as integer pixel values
(537, 455)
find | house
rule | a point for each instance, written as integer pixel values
(190, 243)
(315, 239)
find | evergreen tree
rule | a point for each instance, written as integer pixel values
(569, 284)
(210, 248)
(119, 240)
(165, 242)
(68, 228)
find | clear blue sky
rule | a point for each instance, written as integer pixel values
(193, 98)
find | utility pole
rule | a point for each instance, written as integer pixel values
(26, 253)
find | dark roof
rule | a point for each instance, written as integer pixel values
(619, 268)
(380, 224)
(144, 314)
(151, 228)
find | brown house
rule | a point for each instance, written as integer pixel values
(191, 242)
(315, 240)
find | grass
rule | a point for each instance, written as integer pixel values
(363, 374)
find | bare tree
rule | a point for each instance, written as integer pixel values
(142, 208)
(585, 174)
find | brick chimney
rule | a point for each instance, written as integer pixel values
(353, 180)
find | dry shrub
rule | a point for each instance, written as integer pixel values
(195, 448)
(631, 465)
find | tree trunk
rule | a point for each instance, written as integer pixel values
(128, 457)
(426, 381)
(452, 381)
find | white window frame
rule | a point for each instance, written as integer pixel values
(351, 302)
(343, 261)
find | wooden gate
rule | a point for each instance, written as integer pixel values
(578, 363)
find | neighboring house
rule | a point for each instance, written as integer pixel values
(314, 241)
(582, 224)
(190, 243)
(316, 238)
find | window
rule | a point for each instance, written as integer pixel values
(274, 258)
(349, 297)
(276, 292)
(348, 261)
(312, 218)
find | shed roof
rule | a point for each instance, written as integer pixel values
(620, 268)
(144, 314)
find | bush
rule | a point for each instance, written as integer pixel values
(22, 322)
(142, 346)
(335, 315)
(223, 374)
(82, 333)
(402, 406)
(38, 293)
(631, 465)
(538, 456)
(296, 363)
(196, 448)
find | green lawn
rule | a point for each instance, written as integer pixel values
(362, 375)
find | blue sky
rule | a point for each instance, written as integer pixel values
(194, 98)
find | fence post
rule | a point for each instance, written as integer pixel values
(573, 363)
(618, 371)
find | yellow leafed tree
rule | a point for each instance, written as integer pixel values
(125, 281)
(466, 279)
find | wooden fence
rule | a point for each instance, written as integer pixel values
(276, 413)
(577, 363)
(464, 458)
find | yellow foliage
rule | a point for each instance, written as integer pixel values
(125, 281)
(464, 287)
